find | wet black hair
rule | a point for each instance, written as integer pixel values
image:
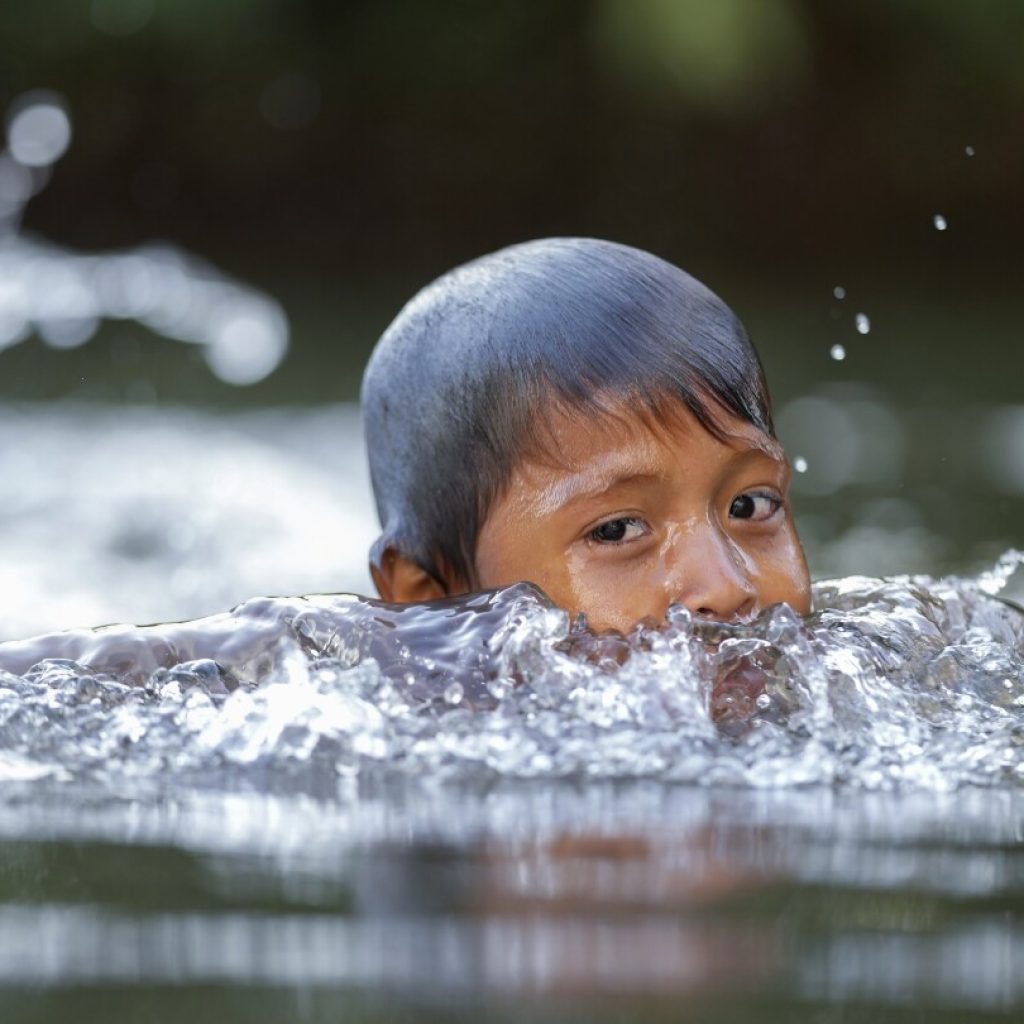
(457, 385)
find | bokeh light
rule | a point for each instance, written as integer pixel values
(38, 129)
(63, 296)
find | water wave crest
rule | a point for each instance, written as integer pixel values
(911, 682)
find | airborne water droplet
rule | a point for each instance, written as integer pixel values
(969, 150)
(940, 222)
(800, 464)
(838, 353)
(453, 693)
(839, 292)
(863, 323)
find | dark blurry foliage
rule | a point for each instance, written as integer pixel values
(340, 152)
(406, 134)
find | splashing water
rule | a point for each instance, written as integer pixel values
(62, 295)
(905, 683)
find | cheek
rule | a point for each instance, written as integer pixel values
(782, 575)
(613, 596)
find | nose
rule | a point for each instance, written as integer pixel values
(711, 577)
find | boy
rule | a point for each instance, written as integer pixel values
(590, 418)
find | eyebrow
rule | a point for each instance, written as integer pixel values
(762, 445)
(590, 484)
(577, 488)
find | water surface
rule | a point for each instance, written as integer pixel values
(324, 805)
(321, 808)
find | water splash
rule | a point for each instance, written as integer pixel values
(62, 296)
(910, 683)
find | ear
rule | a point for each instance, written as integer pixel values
(399, 580)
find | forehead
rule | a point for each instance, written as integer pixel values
(570, 438)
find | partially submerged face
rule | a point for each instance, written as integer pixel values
(625, 514)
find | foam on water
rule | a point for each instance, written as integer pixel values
(891, 684)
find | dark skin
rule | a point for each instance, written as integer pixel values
(624, 515)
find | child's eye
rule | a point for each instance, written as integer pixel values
(755, 505)
(618, 531)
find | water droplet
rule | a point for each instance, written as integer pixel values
(940, 222)
(764, 702)
(969, 150)
(800, 464)
(863, 323)
(839, 292)
(453, 693)
(499, 688)
(838, 353)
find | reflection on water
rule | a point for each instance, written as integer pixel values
(785, 903)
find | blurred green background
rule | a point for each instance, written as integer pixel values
(337, 155)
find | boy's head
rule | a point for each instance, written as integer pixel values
(587, 416)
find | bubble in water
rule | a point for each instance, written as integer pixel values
(800, 464)
(40, 131)
(453, 693)
(940, 222)
(969, 150)
(862, 323)
(839, 292)
(499, 688)
(838, 353)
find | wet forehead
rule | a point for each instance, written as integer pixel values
(582, 455)
(572, 440)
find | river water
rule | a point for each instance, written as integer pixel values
(326, 808)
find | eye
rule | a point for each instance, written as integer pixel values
(756, 506)
(618, 531)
